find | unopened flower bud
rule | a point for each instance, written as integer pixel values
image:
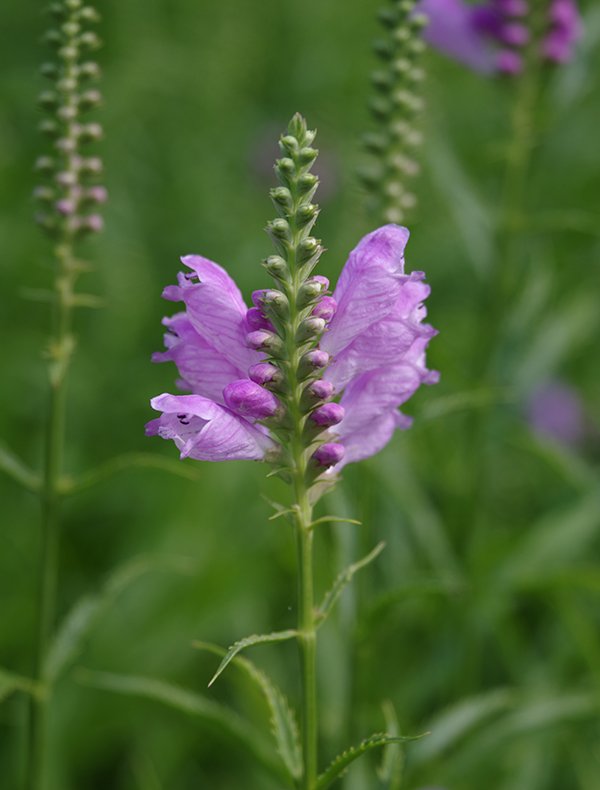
(92, 165)
(52, 37)
(307, 155)
(66, 145)
(96, 194)
(89, 70)
(90, 132)
(276, 266)
(66, 85)
(73, 5)
(89, 14)
(307, 248)
(66, 207)
(265, 373)
(71, 29)
(309, 329)
(307, 182)
(282, 197)
(68, 53)
(321, 390)
(261, 340)
(328, 415)
(256, 320)
(288, 144)
(89, 40)
(285, 166)
(249, 399)
(90, 99)
(67, 112)
(94, 223)
(66, 178)
(329, 454)
(275, 303)
(279, 228)
(313, 360)
(325, 308)
(308, 292)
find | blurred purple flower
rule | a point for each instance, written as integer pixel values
(555, 410)
(375, 345)
(490, 36)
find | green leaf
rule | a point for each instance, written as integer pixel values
(342, 581)
(283, 720)
(68, 640)
(9, 683)
(70, 485)
(15, 468)
(213, 714)
(456, 722)
(339, 766)
(335, 520)
(250, 641)
(392, 764)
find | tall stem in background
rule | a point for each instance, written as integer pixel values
(70, 193)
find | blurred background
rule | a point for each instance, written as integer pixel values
(481, 620)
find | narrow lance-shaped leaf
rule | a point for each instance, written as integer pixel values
(339, 766)
(215, 715)
(342, 581)
(250, 641)
(283, 719)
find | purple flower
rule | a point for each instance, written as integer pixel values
(372, 349)
(555, 410)
(491, 36)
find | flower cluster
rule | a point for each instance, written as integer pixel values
(71, 193)
(492, 36)
(302, 369)
(396, 108)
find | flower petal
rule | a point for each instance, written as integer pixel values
(204, 370)
(216, 310)
(207, 431)
(452, 29)
(389, 340)
(368, 287)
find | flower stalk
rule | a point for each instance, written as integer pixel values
(68, 199)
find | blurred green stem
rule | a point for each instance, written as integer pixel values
(307, 635)
(59, 354)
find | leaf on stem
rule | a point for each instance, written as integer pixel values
(15, 468)
(68, 640)
(342, 581)
(392, 764)
(9, 682)
(339, 766)
(69, 485)
(250, 641)
(283, 719)
(215, 715)
(335, 520)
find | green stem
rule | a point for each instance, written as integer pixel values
(60, 354)
(307, 635)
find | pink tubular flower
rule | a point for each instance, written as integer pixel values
(490, 36)
(373, 352)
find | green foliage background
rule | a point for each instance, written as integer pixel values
(480, 621)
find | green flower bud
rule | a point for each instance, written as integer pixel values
(68, 53)
(310, 329)
(307, 183)
(308, 293)
(89, 40)
(276, 266)
(307, 155)
(67, 85)
(289, 145)
(71, 29)
(48, 127)
(282, 198)
(49, 70)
